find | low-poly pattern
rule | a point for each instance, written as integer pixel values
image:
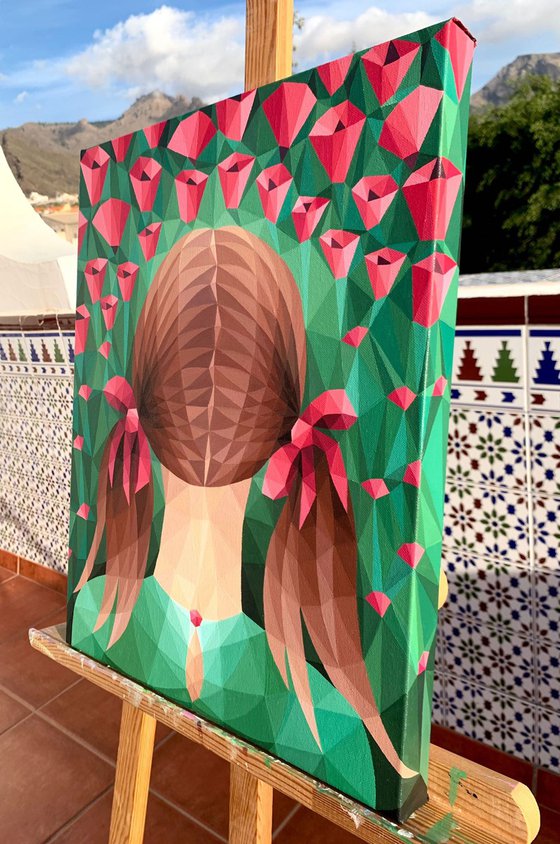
(264, 334)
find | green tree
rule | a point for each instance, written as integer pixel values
(512, 196)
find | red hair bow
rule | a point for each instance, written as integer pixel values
(136, 457)
(331, 410)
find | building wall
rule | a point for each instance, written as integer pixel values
(498, 656)
(36, 386)
(497, 671)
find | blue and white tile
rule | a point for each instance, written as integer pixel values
(548, 739)
(545, 454)
(505, 722)
(488, 523)
(35, 453)
(12, 348)
(497, 596)
(68, 338)
(548, 674)
(439, 699)
(547, 607)
(489, 367)
(482, 656)
(46, 347)
(544, 369)
(546, 531)
(487, 448)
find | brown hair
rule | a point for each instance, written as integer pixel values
(216, 389)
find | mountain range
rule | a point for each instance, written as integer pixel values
(499, 90)
(45, 156)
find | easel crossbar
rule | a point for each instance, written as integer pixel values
(468, 804)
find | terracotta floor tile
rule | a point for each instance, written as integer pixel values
(45, 779)
(11, 711)
(163, 826)
(29, 674)
(309, 827)
(24, 604)
(198, 782)
(92, 714)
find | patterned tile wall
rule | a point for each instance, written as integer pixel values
(36, 385)
(498, 657)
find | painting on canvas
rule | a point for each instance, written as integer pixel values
(265, 321)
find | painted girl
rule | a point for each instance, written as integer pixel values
(215, 393)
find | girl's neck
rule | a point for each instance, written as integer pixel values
(199, 562)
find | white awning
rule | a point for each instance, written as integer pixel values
(37, 268)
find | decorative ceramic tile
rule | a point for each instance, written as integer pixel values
(544, 369)
(36, 353)
(507, 723)
(12, 347)
(35, 451)
(547, 607)
(487, 522)
(548, 732)
(46, 347)
(439, 664)
(488, 367)
(545, 454)
(69, 346)
(487, 448)
(546, 530)
(548, 674)
(439, 699)
(487, 655)
(494, 595)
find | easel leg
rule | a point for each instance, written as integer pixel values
(250, 808)
(132, 777)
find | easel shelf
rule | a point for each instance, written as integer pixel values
(469, 804)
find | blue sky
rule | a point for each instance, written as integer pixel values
(61, 60)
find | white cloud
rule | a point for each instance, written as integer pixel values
(325, 36)
(21, 97)
(499, 20)
(180, 51)
(170, 49)
(194, 53)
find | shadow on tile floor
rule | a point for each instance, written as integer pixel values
(58, 742)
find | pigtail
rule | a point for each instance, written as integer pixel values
(125, 507)
(311, 568)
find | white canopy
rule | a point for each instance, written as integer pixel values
(37, 268)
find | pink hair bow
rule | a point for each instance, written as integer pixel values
(331, 410)
(137, 463)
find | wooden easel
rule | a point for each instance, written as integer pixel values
(468, 804)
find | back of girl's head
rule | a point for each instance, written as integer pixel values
(219, 357)
(217, 380)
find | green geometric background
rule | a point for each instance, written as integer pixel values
(242, 688)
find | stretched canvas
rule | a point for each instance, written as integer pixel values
(265, 322)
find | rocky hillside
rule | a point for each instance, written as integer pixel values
(498, 90)
(45, 156)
